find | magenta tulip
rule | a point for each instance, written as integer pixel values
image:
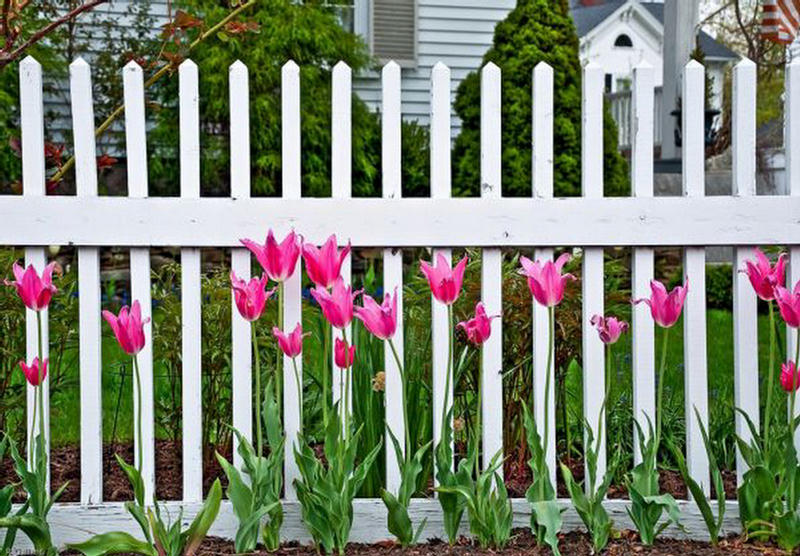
(609, 328)
(343, 357)
(337, 304)
(479, 327)
(444, 281)
(34, 291)
(764, 277)
(33, 374)
(291, 344)
(128, 327)
(381, 320)
(324, 264)
(665, 307)
(545, 280)
(277, 259)
(251, 297)
(789, 304)
(790, 381)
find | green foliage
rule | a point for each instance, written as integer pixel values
(719, 286)
(260, 496)
(326, 492)
(398, 521)
(309, 34)
(535, 31)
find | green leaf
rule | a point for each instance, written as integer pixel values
(113, 543)
(398, 521)
(203, 520)
(34, 527)
(135, 478)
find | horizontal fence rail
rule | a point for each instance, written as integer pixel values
(535, 225)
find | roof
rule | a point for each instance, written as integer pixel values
(588, 17)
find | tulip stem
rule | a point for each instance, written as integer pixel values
(139, 456)
(299, 390)
(660, 395)
(548, 372)
(770, 375)
(259, 442)
(478, 414)
(449, 370)
(794, 382)
(345, 395)
(326, 370)
(403, 386)
(278, 366)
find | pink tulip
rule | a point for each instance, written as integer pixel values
(324, 265)
(444, 281)
(337, 304)
(766, 278)
(790, 381)
(479, 327)
(609, 328)
(291, 344)
(789, 304)
(128, 327)
(343, 358)
(665, 308)
(277, 260)
(545, 281)
(251, 297)
(381, 320)
(33, 375)
(35, 292)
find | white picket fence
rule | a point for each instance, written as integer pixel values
(490, 222)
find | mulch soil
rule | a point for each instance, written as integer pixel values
(523, 543)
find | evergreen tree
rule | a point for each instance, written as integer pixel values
(535, 31)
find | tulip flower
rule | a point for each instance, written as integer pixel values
(790, 380)
(250, 297)
(380, 320)
(479, 327)
(128, 327)
(665, 307)
(291, 344)
(545, 280)
(324, 265)
(789, 304)
(609, 328)
(33, 374)
(764, 277)
(34, 291)
(337, 304)
(444, 281)
(343, 355)
(277, 259)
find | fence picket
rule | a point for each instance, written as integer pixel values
(642, 327)
(391, 113)
(33, 183)
(440, 188)
(88, 290)
(241, 345)
(694, 319)
(191, 313)
(136, 150)
(492, 268)
(543, 189)
(341, 188)
(745, 323)
(792, 153)
(292, 298)
(594, 367)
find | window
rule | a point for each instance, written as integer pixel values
(623, 41)
(609, 80)
(344, 10)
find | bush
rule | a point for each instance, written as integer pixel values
(535, 31)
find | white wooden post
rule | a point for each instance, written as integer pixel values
(191, 313)
(792, 153)
(33, 185)
(440, 189)
(492, 267)
(136, 149)
(241, 345)
(594, 383)
(292, 298)
(88, 290)
(642, 327)
(341, 188)
(694, 319)
(745, 323)
(543, 189)
(391, 129)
